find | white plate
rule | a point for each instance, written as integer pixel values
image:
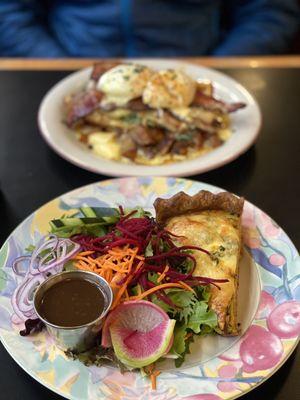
(245, 125)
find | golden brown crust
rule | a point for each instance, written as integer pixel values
(182, 203)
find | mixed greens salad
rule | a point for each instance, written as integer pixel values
(146, 270)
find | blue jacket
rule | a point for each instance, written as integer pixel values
(103, 28)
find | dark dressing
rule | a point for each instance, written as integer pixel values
(71, 303)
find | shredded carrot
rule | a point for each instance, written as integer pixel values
(153, 382)
(187, 287)
(149, 368)
(87, 253)
(119, 295)
(114, 266)
(81, 258)
(159, 287)
(140, 263)
(139, 289)
(153, 376)
(162, 276)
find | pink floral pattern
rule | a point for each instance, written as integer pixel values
(266, 305)
(284, 320)
(260, 349)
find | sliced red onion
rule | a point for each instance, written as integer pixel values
(16, 298)
(44, 244)
(18, 264)
(31, 315)
(41, 266)
(63, 247)
(65, 254)
(25, 296)
(15, 305)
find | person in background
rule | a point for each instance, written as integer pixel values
(103, 28)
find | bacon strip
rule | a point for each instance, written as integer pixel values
(145, 136)
(100, 68)
(81, 104)
(210, 103)
(137, 105)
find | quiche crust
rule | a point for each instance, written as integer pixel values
(213, 222)
(182, 203)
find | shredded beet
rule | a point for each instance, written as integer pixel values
(136, 276)
(143, 281)
(163, 297)
(132, 231)
(141, 233)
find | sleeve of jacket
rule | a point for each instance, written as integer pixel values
(22, 33)
(259, 27)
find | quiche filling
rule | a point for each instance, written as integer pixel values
(215, 228)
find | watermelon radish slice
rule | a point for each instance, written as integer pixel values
(140, 332)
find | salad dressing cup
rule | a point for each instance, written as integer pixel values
(77, 338)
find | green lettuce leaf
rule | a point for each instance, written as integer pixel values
(140, 212)
(202, 316)
(193, 318)
(181, 344)
(98, 356)
(182, 299)
(178, 346)
(179, 361)
(203, 292)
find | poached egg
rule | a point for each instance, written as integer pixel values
(123, 83)
(169, 89)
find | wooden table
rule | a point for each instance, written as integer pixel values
(267, 175)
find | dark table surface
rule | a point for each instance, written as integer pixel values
(267, 175)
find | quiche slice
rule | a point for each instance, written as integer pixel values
(213, 222)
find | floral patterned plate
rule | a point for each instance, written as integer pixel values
(217, 368)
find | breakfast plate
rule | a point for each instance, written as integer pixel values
(217, 367)
(245, 125)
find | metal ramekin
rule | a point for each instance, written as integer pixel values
(79, 338)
